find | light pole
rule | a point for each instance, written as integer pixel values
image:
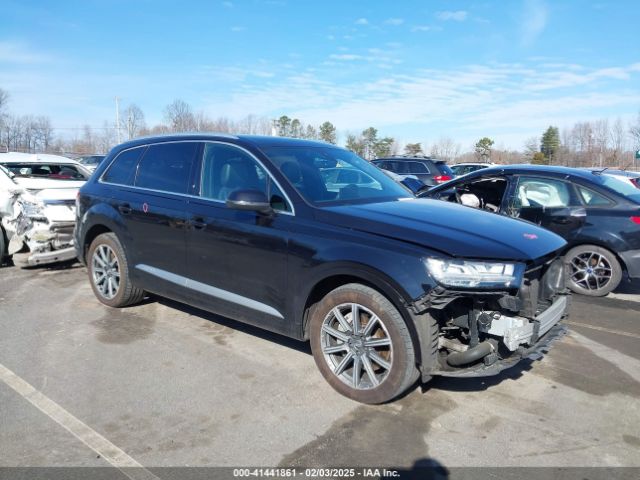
(118, 119)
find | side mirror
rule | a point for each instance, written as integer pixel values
(251, 200)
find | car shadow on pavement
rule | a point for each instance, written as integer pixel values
(458, 384)
(292, 343)
(473, 384)
(629, 286)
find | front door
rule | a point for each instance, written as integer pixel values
(237, 260)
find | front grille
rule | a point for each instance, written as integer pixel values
(540, 286)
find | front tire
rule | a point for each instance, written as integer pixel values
(361, 345)
(109, 272)
(593, 270)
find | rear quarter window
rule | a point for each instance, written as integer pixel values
(446, 169)
(122, 169)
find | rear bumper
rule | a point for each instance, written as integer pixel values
(631, 259)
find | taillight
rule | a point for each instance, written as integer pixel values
(635, 181)
(442, 178)
(635, 220)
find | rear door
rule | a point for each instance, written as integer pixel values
(549, 202)
(154, 213)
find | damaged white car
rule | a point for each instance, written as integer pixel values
(37, 207)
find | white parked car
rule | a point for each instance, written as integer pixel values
(628, 177)
(37, 206)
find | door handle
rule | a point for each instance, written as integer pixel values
(198, 223)
(124, 208)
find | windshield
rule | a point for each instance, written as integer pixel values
(329, 176)
(621, 187)
(53, 171)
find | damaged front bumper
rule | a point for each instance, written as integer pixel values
(534, 352)
(40, 235)
(481, 333)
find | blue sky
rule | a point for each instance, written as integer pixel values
(416, 70)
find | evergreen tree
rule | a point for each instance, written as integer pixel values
(328, 132)
(550, 143)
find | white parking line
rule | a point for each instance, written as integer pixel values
(602, 329)
(103, 447)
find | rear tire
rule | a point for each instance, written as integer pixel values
(372, 361)
(593, 270)
(109, 272)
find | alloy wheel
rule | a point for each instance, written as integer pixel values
(591, 270)
(105, 271)
(356, 346)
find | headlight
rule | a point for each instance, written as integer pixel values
(469, 274)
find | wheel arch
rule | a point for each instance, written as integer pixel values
(597, 243)
(369, 277)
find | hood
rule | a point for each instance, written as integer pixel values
(454, 229)
(35, 185)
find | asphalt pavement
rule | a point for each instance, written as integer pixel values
(164, 384)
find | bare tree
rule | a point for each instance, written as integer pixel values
(634, 131)
(531, 147)
(618, 141)
(179, 116)
(446, 149)
(132, 121)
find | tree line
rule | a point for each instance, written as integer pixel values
(598, 143)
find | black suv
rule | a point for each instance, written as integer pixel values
(426, 169)
(385, 286)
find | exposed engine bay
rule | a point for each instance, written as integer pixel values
(482, 333)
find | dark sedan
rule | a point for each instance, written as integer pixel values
(597, 214)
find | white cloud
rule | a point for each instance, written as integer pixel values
(13, 52)
(345, 56)
(394, 21)
(517, 100)
(534, 21)
(227, 4)
(362, 21)
(457, 15)
(238, 29)
(421, 28)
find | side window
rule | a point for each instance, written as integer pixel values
(226, 168)
(400, 167)
(167, 166)
(417, 167)
(122, 169)
(591, 198)
(348, 176)
(542, 192)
